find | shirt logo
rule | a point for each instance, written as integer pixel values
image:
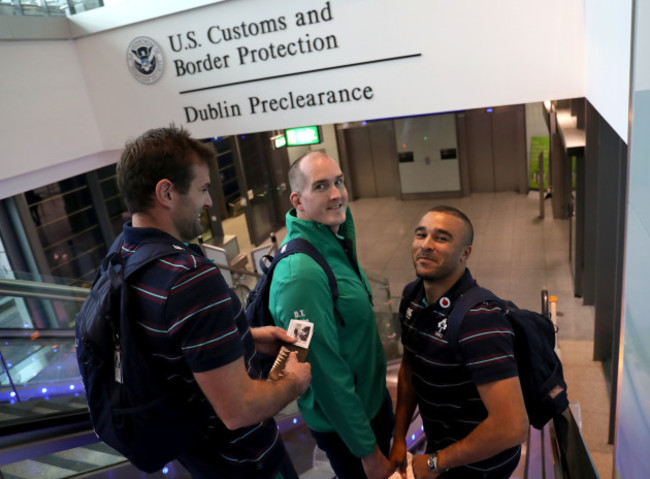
(145, 60)
(444, 302)
(442, 327)
(409, 312)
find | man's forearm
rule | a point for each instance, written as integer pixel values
(265, 399)
(406, 401)
(241, 401)
(506, 426)
(485, 441)
(376, 465)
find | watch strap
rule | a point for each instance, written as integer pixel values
(432, 463)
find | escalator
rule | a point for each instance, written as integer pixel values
(45, 428)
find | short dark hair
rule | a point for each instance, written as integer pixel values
(450, 210)
(160, 153)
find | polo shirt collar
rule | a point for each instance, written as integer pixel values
(138, 235)
(448, 299)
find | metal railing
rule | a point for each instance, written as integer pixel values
(563, 452)
(48, 8)
(38, 290)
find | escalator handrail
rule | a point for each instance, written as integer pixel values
(545, 307)
(75, 419)
(576, 460)
(35, 289)
(33, 334)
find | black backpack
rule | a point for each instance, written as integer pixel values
(540, 369)
(257, 303)
(129, 411)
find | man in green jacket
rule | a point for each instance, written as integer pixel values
(347, 407)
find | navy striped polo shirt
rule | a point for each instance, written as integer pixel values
(445, 384)
(191, 321)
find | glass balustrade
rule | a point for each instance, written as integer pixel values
(40, 382)
(37, 354)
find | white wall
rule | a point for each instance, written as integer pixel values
(608, 28)
(46, 117)
(472, 54)
(633, 426)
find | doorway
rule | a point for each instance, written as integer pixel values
(494, 142)
(371, 157)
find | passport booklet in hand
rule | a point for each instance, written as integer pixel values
(302, 331)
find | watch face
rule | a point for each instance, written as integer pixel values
(430, 462)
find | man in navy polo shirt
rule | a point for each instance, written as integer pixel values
(191, 323)
(473, 411)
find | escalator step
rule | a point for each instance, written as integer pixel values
(30, 469)
(8, 412)
(55, 406)
(92, 456)
(63, 464)
(102, 447)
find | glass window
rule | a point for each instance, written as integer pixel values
(117, 211)
(67, 224)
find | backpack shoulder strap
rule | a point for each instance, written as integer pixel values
(467, 301)
(149, 252)
(300, 245)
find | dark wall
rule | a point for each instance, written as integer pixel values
(604, 216)
(604, 222)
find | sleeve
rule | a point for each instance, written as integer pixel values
(486, 340)
(300, 290)
(201, 315)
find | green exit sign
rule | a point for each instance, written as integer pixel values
(307, 135)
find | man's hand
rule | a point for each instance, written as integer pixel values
(298, 372)
(421, 468)
(376, 466)
(397, 457)
(269, 339)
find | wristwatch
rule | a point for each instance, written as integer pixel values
(432, 463)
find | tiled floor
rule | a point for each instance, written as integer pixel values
(515, 254)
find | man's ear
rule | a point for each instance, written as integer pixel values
(164, 193)
(466, 253)
(295, 200)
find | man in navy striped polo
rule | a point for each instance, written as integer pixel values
(472, 410)
(191, 323)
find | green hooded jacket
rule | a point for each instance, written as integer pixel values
(348, 360)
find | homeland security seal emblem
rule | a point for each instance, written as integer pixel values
(145, 60)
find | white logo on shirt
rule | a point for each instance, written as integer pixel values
(442, 327)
